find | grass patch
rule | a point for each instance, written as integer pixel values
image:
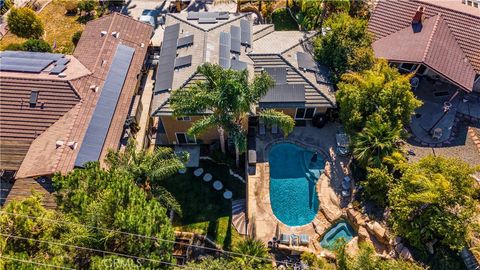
(59, 28)
(283, 21)
(205, 211)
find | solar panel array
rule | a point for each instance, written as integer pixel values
(225, 46)
(236, 36)
(207, 20)
(285, 93)
(183, 61)
(185, 41)
(306, 62)
(33, 62)
(246, 35)
(166, 61)
(102, 116)
(208, 15)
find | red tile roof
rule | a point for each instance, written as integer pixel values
(431, 44)
(392, 16)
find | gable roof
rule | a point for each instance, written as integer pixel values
(463, 22)
(432, 44)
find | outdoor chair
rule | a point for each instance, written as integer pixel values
(414, 82)
(304, 240)
(285, 239)
(294, 239)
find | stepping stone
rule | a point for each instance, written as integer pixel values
(217, 185)
(227, 194)
(207, 177)
(182, 171)
(198, 172)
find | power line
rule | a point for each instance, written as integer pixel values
(96, 250)
(143, 236)
(36, 263)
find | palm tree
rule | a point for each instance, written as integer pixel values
(228, 97)
(149, 169)
(376, 141)
(255, 253)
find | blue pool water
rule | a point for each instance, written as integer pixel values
(340, 230)
(293, 177)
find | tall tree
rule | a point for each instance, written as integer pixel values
(346, 45)
(380, 91)
(110, 199)
(23, 22)
(228, 96)
(255, 253)
(148, 169)
(434, 199)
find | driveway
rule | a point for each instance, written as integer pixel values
(134, 9)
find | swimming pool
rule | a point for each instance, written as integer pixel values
(340, 230)
(293, 177)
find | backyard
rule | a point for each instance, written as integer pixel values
(59, 28)
(205, 211)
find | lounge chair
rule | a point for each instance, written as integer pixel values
(261, 129)
(294, 239)
(285, 239)
(274, 129)
(304, 240)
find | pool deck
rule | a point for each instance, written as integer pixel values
(263, 223)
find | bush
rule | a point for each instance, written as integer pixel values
(14, 47)
(76, 37)
(71, 6)
(87, 6)
(36, 45)
(23, 22)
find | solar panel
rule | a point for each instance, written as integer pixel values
(223, 15)
(166, 61)
(63, 61)
(238, 65)
(32, 55)
(33, 98)
(58, 69)
(185, 41)
(98, 127)
(207, 20)
(183, 61)
(246, 36)
(224, 54)
(278, 74)
(285, 93)
(10, 63)
(306, 62)
(236, 35)
(208, 15)
(17, 68)
(193, 16)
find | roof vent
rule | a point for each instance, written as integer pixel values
(142, 45)
(103, 62)
(103, 33)
(72, 145)
(62, 75)
(116, 34)
(92, 87)
(58, 144)
(33, 98)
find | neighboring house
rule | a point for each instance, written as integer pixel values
(231, 41)
(433, 38)
(59, 111)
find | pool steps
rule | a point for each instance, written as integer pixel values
(239, 212)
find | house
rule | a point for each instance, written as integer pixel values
(59, 111)
(232, 41)
(438, 42)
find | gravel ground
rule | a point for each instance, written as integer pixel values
(462, 147)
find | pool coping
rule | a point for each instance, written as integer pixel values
(324, 155)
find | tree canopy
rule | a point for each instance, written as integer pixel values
(434, 199)
(110, 199)
(23, 22)
(36, 45)
(377, 92)
(229, 96)
(346, 45)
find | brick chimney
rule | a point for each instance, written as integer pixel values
(418, 17)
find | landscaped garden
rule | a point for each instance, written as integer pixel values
(204, 210)
(59, 29)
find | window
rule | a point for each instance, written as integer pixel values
(183, 118)
(304, 113)
(472, 3)
(184, 138)
(422, 70)
(408, 66)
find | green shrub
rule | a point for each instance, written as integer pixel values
(36, 45)
(14, 47)
(76, 37)
(23, 22)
